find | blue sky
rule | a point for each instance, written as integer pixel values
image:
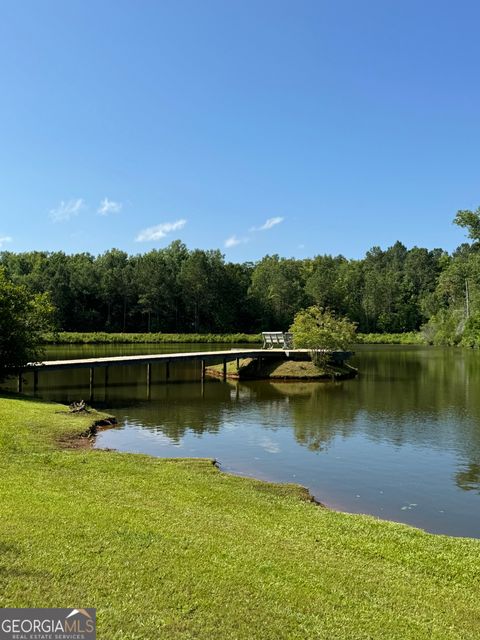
(254, 126)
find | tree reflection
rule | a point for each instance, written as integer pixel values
(469, 478)
(422, 397)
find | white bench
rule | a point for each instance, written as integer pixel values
(277, 340)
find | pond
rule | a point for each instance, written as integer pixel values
(401, 442)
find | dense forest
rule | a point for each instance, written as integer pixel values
(179, 290)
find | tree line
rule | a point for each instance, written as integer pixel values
(175, 289)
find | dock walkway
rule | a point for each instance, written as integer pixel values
(87, 363)
(205, 357)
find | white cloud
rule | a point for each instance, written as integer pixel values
(4, 240)
(67, 209)
(159, 231)
(109, 206)
(232, 241)
(269, 445)
(271, 222)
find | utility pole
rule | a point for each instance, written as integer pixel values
(467, 298)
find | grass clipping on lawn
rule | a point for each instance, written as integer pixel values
(177, 549)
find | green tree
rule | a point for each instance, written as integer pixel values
(23, 318)
(455, 304)
(201, 280)
(350, 285)
(114, 287)
(469, 220)
(278, 291)
(322, 284)
(316, 328)
(156, 280)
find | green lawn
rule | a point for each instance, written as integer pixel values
(177, 549)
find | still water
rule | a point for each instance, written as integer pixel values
(402, 441)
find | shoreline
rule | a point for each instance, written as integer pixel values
(79, 337)
(86, 438)
(85, 441)
(215, 554)
(77, 442)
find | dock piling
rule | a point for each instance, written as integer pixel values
(91, 383)
(149, 379)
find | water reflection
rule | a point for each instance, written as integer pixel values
(402, 441)
(469, 478)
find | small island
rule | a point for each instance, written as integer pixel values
(320, 341)
(298, 368)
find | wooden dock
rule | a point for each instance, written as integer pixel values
(204, 357)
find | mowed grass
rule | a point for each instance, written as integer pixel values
(177, 549)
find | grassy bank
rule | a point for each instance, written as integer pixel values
(177, 549)
(149, 338)
(409, 337)
(63, 337)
